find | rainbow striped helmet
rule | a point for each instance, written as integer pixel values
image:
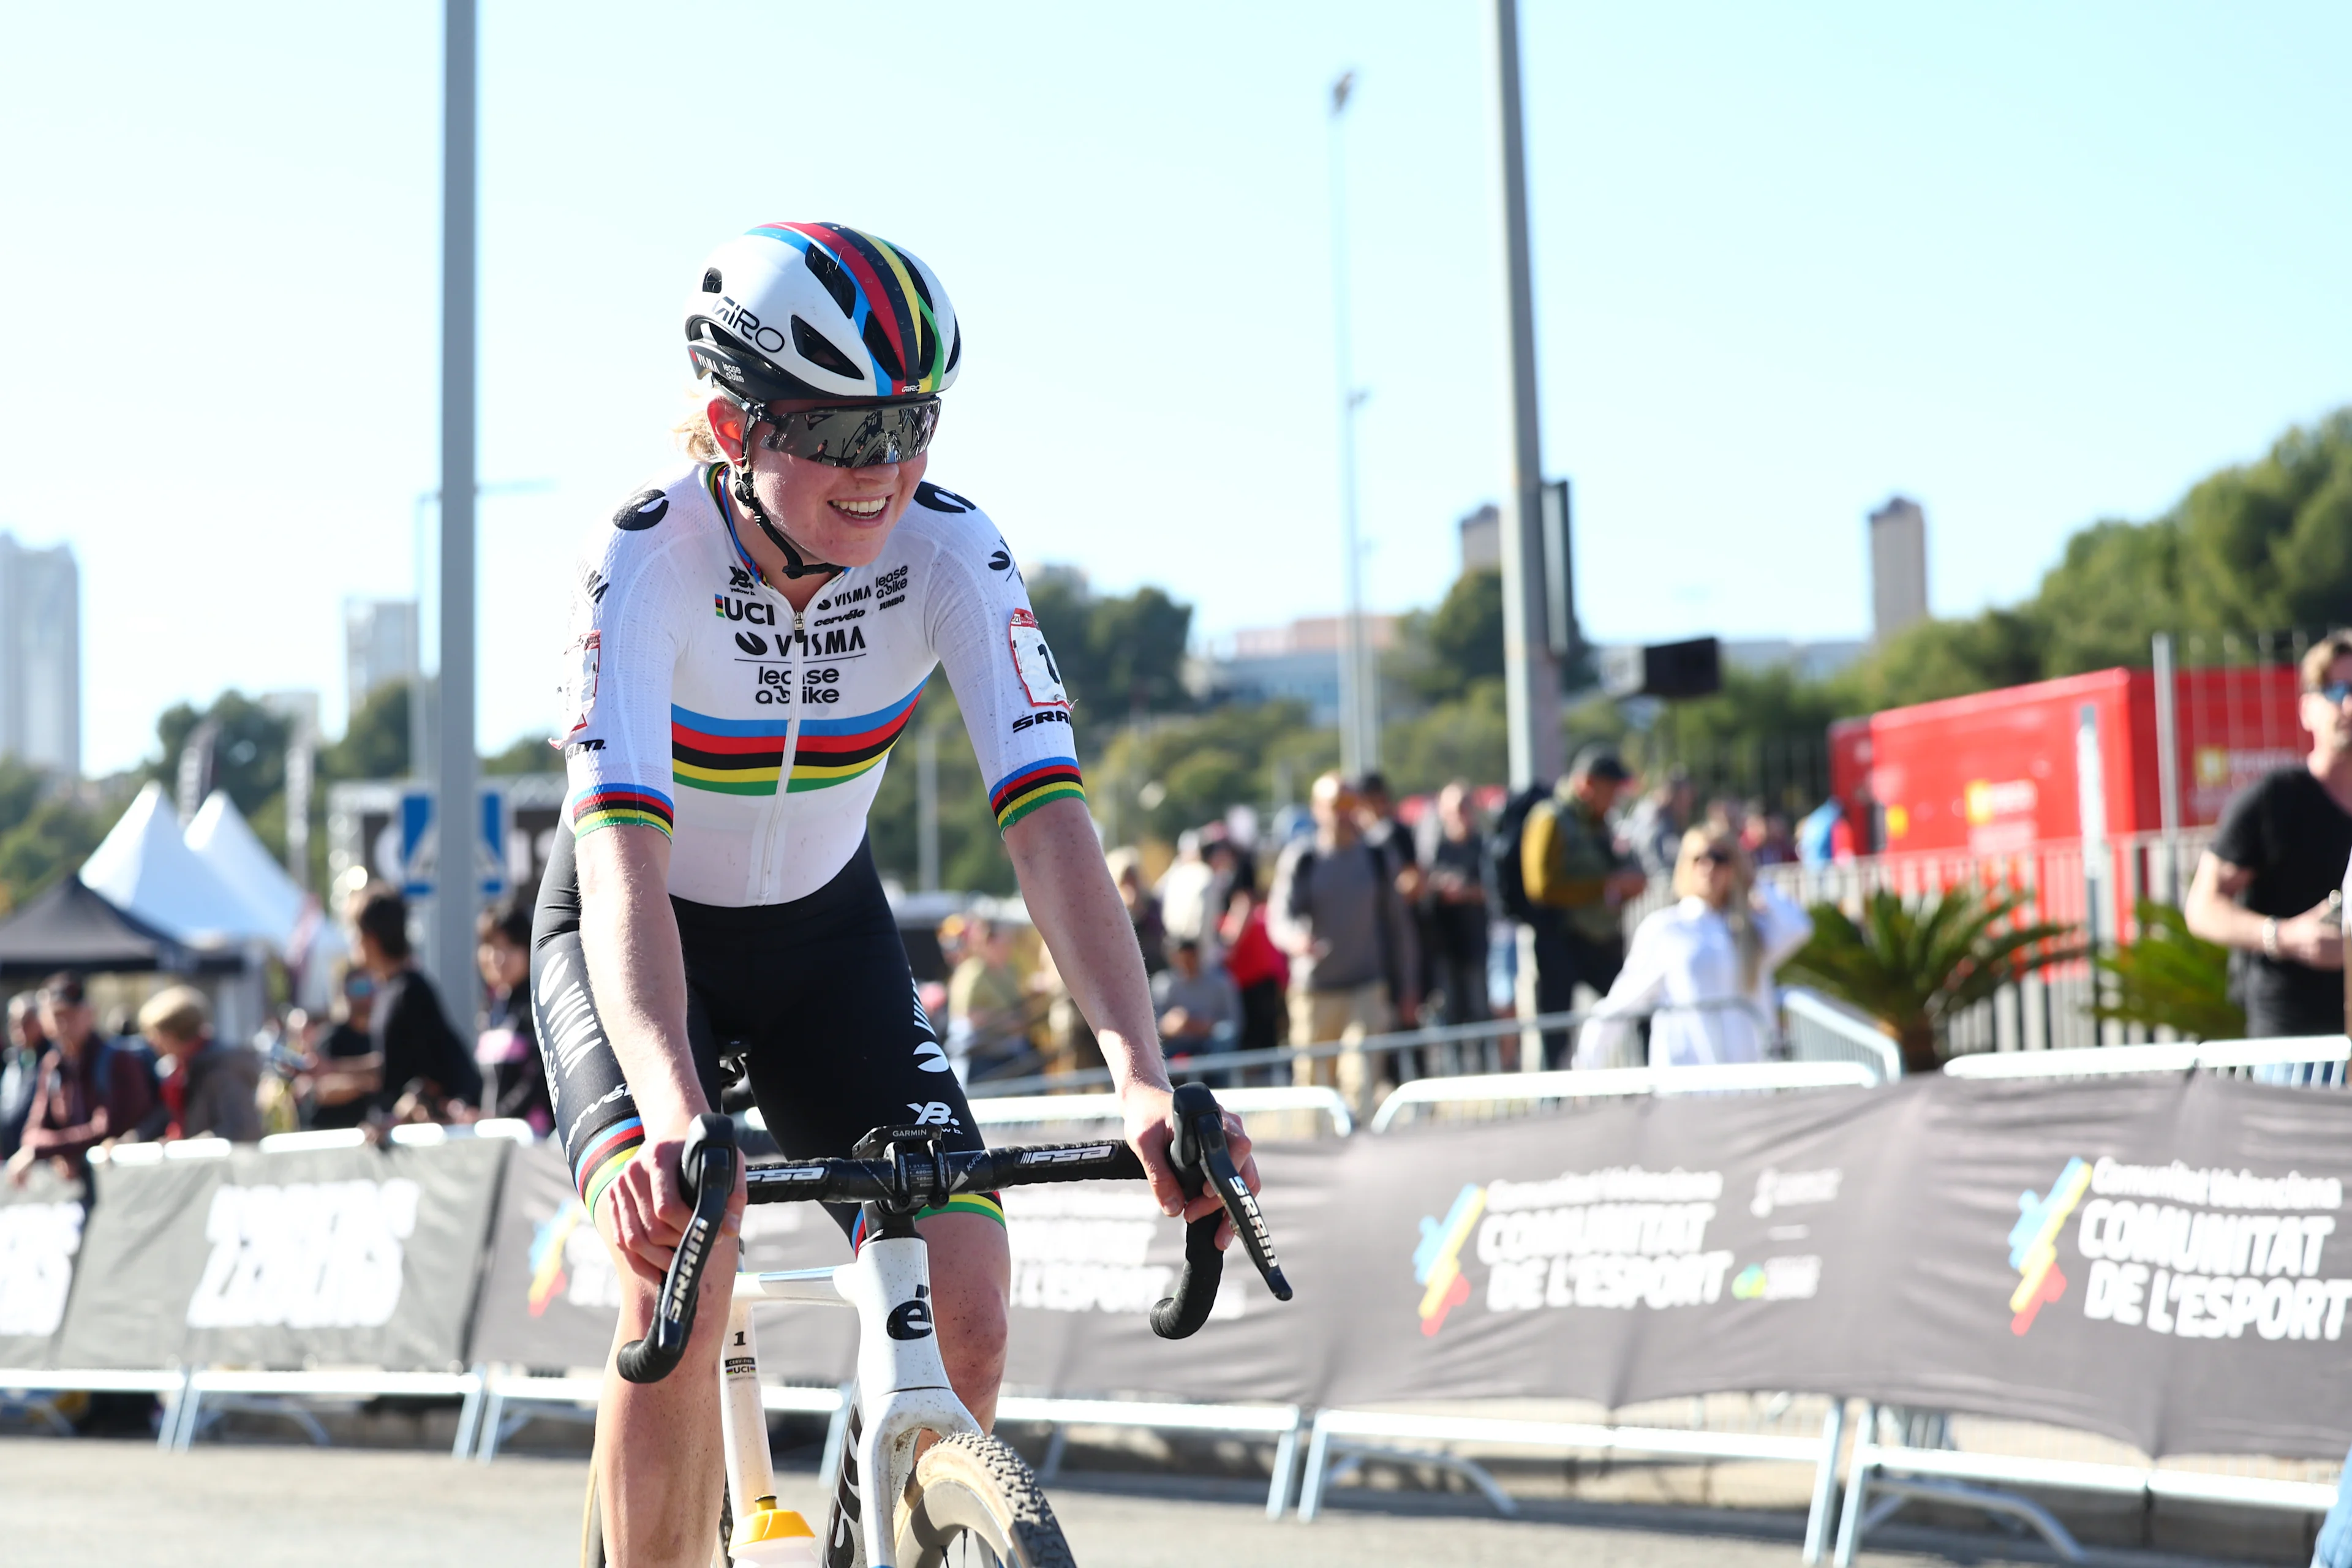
(816, 310)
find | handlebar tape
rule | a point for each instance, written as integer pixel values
(706, 1172)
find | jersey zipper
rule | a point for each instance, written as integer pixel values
(772, 858)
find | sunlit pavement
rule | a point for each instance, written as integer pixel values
(93, 1501)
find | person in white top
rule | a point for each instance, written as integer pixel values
(1718, 943)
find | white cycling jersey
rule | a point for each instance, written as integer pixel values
(700, 703)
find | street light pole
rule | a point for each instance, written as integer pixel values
(456, 889)
(1530, 672)
(1360, 729)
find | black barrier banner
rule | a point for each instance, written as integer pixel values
(2165, 1260)
(550, 1294)
(353, 1257)
(40, 1236)
(1628, 1251)
(2156, 1260)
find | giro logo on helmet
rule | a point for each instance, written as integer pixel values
(746, 325)
(642, 509)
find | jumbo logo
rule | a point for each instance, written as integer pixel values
(2032, 1244)
(728, 607)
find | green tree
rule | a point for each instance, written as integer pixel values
(1134, 655)
(525, 754)
(248, 747)
(2169, 977)
(2268, 546)
(375, 741)
(1916, 966)
(1467, 737)
(1443, 653)
(52, 839)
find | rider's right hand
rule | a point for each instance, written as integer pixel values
(643, 1214)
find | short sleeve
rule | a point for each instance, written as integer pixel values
(618, 667)
(2242, 839)
(1007, 677)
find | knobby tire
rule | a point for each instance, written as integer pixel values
(977, 1488)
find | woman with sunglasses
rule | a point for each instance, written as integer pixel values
(1703, 965)
(751, 635)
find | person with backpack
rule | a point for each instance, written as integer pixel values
(91, 1090)
(1335, 910)
(1561, 873)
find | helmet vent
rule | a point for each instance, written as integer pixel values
(819, 351)
(836, 282)
(710, 284)
(886, 356)
(955, 349)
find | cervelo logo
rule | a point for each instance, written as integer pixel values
(37, 1242)
(306, 1254)
(910, 1320)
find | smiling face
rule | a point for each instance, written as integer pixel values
(840, 515)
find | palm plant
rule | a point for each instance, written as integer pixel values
(2169, 978)
(1915, 967)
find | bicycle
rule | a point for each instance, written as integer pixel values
(968, 1494)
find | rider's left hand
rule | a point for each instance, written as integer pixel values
(1150, 1127)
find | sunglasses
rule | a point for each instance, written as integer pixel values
(2335, 692)
(1715, 858)
(857, 437)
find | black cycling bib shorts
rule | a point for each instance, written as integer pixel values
(816, 995)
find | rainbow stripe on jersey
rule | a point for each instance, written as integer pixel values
(620, 805)
(746, 756)
(601, 1161)
(1026, 788)
(835, 751)
(730, 757)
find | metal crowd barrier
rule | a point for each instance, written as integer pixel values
(1345, 1432)
(1594, 1083)
(1925, 1465)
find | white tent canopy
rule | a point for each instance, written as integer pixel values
(145, 867)
(221, 839)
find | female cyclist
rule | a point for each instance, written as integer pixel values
(750, 633)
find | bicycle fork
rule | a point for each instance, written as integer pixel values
(902, 1391)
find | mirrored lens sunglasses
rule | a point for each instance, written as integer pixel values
(857, 437)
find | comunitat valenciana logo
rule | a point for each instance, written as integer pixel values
(2177, 1250)
(1619, 1238)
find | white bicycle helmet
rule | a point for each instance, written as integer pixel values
(796, 310)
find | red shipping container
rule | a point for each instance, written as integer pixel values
(2002, 771)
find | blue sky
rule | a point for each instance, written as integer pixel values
(2032, 266)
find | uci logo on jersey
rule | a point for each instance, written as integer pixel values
(728, 607)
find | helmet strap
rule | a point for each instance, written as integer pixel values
(797, 565)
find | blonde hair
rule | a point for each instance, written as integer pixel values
(177, 1011)
(2322, 657)
(1738, 910)
(694, 432)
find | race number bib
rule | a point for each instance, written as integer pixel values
(1034, 662)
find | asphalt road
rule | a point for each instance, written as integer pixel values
(64, 1503)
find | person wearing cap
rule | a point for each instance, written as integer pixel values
(1574, 872)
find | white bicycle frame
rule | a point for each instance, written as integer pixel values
(902, 1391)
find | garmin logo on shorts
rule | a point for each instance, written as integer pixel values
(306, 1254)
(641, 511)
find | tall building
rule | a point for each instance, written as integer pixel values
(379, 646)
(40, 655)
(1898, 567)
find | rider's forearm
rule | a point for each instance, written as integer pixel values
(1076, 910)
(628, 934)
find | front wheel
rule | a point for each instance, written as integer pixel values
(974, 1504)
